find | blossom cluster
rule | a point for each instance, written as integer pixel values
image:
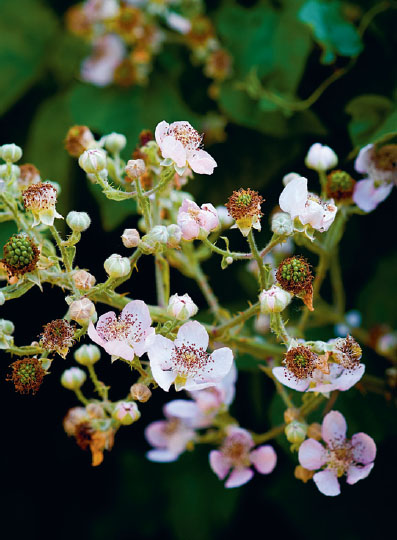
(174, 345)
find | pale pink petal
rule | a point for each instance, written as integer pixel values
(327, 482)
(161, 456)
(294, 196)
(182, 408)
(161, 131)
(312, 214)
(264, 459)
(334, 428)
(201, 162)
(348, 378)
(312, 455)
(218, 366)
(188, 205)
(104, 320)
(119, 348)
(139, 312)
(354, 473)
(195, 384)
(192, 333)
(142, 346)
(219, 464)
(96, 338)
(363, 159)
(163, 378)
(173, 149)
(159, 352)
(189, 226)
(287, 379)
(239, 477)
(364, 448)
(155, 434)
(367, 196)
(208, 217)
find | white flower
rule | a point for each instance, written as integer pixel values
(308, 208)
(180, 144)
(40, 199)
(185, 362)
(321, 158)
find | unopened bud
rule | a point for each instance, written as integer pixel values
(73, 378)
(87, 355)
(321, 158)
(10, 152)
(174, 236)
(274, 300)
(181, 307)
(314, 431)
(115, 142)
(117, 266)
(82, 311)
(93, 161)
(225, 219)
(296, 432)
(282, 224)
(229, 260)
(135, 168)
(140, 392)
(291, 414)
(262, 323)
(303, 474)
(83, 280)
(130, 238)
(94, 410)
(2, 299)
(6, 327)
(78, 221)
(126, 412)
(289, 177)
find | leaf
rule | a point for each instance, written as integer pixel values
(334, 34)
(26, 28)
(372, 116)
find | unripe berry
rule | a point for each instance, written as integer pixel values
(296, 432)
(135, 168)
(87, 355)
(78, 221)
(11, 152)
(73, 378)
(126, 412)
(93, 161)
(117, 266)
(130, 238)
(115, 142)
(20, 255)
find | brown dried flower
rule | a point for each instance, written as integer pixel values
(58, 336)
(27, 375)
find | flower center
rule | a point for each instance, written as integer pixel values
(295, 270)
(121, 328)
(341, 457)
(189, 360)
(300, 362)
(40, 196)
(236, 449)
(186, 134)
(386, 157)
(348, 352)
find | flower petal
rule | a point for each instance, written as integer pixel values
(264, 459)
(104, 320)
(159, 353)
(287, 379)
(119, 348)
(155, 434)
(182, 408)
(161, 131)
(327, 482)
(140, 347)
(294, 196)
(219, 464)
(138, 311)
(312, 455)
(161, 456)
(93, 334)
(201, 162)
(367, 196)
(219, 364)
(363, 159)
(239, 477)
(334, 428)
(173, 149)
(347, 379)
(354, 473)
(364, 448)
(192, 333)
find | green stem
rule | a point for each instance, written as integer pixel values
(271, 434)
(258, 258)
(99, 386)
(237, 319)
(208, 294)
(144, 205)
(80, 396)
(64, 255)
(224, 253)
(337, 284)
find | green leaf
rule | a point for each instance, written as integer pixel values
(335, 34)
(372, 116)
(26, 28)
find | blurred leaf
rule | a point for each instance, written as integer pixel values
(26, 27)
(334, 34)
(371, 114)
(112, 213)
(45, 145)
(66, 55)
(6, 230)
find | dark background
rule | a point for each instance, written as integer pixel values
(49, 488)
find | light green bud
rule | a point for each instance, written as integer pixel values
(296, 432)
(78, 221)
(73, 378)
(282, 224)
(87, 355)
(93, 161)
(115, 142)
(11, 152)
(117, 266)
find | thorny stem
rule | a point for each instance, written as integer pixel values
(337, 284)
(208, 294)
(80, 396)
(99, 386)
(64, 255)
(237, 319)
(224, 253)
(258, 258)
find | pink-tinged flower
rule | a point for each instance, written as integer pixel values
(236, 456)
(307, 207)
(181, 144)
(108, 53)
(306, 371)
(341, 456)
(196, 222)
(217, 398)
(181, 307)
(170, 437)
(124, 336)
(368, 193)
(185, 362)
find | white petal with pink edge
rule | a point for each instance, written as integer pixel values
(312, 455)
(239, 477)
(192, 333)
(364, 448)
(219, 464)
(334, 428)
(355, 473)
(264, 459)
(327, 482)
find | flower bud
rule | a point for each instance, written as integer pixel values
(140, 392)
(296, 432)
(117, 266)
(289, 177)
(282, 224)
(321, 158)
(6, 327)
(135, 168)
(130, 238)
(78, 139)
(93, 161)
(303, 474)
(115, 142)
(126, 412)
(159, 234)
(82, 311)
(78, 221)
(274, 300)
(87, 355)
(73, 378)
(2, 299)
(291, 414)
(174, 236)
(314, 431)
(262, 323)
(181, 307)
(225, 219)
(10, 152)
(83, 280)
(229, 260)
